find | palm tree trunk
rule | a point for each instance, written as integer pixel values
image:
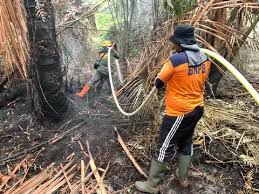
(49, 98)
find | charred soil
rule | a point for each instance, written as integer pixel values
(21, 134)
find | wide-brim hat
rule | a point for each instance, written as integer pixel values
(183, 34)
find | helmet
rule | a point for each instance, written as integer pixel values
(107, 43)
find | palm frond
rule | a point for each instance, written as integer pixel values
(14, 46)
(232, 4)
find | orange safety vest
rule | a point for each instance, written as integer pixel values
(185, 84)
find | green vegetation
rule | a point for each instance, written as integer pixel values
(104, 22)
(179, 7)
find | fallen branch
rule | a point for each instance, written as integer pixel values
(129, 154)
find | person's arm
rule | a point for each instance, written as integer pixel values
(165, 74)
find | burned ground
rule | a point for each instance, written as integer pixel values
(213, 170)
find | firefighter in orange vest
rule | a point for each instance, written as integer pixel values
(184, 75)
(101, 65)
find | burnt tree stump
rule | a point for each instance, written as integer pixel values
(48, 91)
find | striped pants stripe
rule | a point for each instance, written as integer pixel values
(177, 131)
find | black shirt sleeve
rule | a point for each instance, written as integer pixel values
(159, 83)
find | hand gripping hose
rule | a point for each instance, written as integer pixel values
(211, 54)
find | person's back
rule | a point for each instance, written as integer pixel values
(103, 57)
(185, 85)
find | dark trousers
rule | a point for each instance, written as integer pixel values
(177, 131)
(98, 77)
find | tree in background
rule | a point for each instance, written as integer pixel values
(75, 26)
(222, 26)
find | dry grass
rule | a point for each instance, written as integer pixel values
(14, 46)
(231, 124)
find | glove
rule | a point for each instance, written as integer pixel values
(97, 64)
(114, 46)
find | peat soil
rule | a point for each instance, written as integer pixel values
(19, 132)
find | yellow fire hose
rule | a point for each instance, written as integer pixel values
(114, 94)
(235, 72)
(211, 54)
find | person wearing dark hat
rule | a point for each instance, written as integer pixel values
(184, 75)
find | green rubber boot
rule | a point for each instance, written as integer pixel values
(156, 174)
(182, 170)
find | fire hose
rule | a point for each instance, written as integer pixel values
(210, 53)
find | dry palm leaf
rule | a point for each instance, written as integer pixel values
(14, 44)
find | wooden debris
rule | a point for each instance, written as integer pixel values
(64, 172)
(63, 178)
(95, 171)
(5, 179)
(82, 175)
(139, 169)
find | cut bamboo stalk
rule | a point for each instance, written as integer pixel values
(84, 181)
(132, 159)
(59, 180)
(60, 184)
(45, 185)
(48, 174)
(95, 171)
(32, 183)
(12, 174)
(64, 172)
(103, 175)
(82, 176)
